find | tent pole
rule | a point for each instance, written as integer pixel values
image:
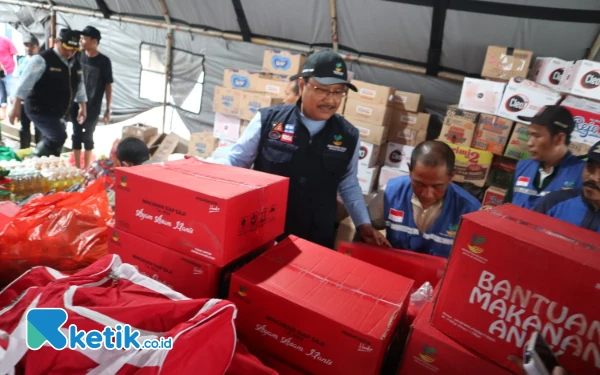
(219, 34)
(594, 49)
(165, 12)
(334, 33)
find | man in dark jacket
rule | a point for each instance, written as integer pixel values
(316, 148)
(48, 85)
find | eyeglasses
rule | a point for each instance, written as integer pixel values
(322, 93)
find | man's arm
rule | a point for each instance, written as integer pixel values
(244, 152)
(108, 81)
(376, 210)
(354, 202)
(81, 95)
(32, 72)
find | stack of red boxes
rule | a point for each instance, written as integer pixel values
(318, 311)
(183, 223)
(512, 272)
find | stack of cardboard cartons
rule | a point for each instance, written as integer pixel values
(308, 306)
(187, 223)
(369, 110)
(243, 93)
(497, 291)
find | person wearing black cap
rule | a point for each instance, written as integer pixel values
(48, 85)
(316, 148)
(578, 206)
(32, 48)
(97, 72)
(552, 166)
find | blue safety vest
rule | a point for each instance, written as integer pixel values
(402, 232)
(569, 206)
(526, 194)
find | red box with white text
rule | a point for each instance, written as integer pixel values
(514, 271)
(206, 211)
(429, 351)
(318, 310)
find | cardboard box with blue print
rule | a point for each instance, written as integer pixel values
(283, 62)
(202, 144)
(227, 101)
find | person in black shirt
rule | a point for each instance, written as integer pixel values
(97, 71)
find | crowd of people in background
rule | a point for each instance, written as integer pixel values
(51, 86)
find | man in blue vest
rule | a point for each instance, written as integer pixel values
(48, 85)
(316, 148)
(578, 206)
(421, 212)
(552, 166)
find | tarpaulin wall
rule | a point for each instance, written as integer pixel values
(434, 34)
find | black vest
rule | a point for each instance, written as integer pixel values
(315, 167)
(53, 94)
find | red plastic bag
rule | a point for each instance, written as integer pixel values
(65, 231)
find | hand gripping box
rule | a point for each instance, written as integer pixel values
(318, 310)
(525, 98)
(514, 271)
(206, 211)
(429, 351)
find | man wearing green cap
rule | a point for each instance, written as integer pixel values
(48, 85)
(316, 148)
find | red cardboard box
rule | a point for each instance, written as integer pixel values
(8, 210)
(277, 365)
(206, 211)
(318, 310)
(514, 271)
(191, 277)
(419, 267)
(431, 352)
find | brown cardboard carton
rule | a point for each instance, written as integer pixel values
(202, 144)
(251, 102)
(374, 134)
(505, 62)
(166, 147)
(455, 111)
(273, 85)
(517, 145)
(242, 79)
(457, 130)
(371, 93)
(471, 165)
(283, 62)
(492, 134)
(375, 114)
(139, 131)
(579, 149)
(227, 101)
(408, 128)
(408, 101)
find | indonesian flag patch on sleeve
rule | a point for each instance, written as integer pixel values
(396, 215)
(523, 181)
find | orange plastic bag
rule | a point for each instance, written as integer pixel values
(65, 231)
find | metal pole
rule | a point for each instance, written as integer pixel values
(261, 41)
(165, 12)
(594, 49)
(167, 77)
(334, 33)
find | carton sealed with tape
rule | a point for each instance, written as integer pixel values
(512, 272)
(334, 314)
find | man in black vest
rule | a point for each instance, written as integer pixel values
(49, 84)
(316, 148)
